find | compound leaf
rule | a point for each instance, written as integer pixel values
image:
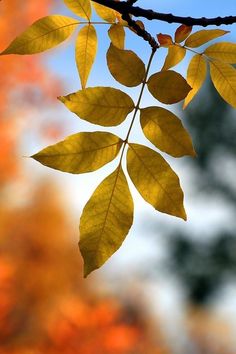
(43, 34)
(175, 55)
(168, 86)
(224, 51)
(203, 36)
(224, 79)
(125, 66)
(81, 8)
(157, 183)
(117, 35)
(182, 33)
(81, 153)
(105, 106)
(166, 131)
(105, 221)
(105, 13)
(85, 52)
(196, 75)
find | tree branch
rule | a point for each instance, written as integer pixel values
(141, 32)
(127, 8)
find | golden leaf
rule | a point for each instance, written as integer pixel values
(175, 55)
(125, 66)
(85, 52)
(81, 153)
(196, 75)
(224, 79)
(43, 34)
(107, 14)
(81, 8)
(117, 35)
(224, 51)
(182, 33)
(166, 131)
(168, 86)
(157, 183)
(105, 221)
(105, 106)
(203, 36)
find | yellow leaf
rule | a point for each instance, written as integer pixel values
(125, 66)
(182, 33)
(155, 180)
(224, 79)
(105, 13)
(175, 55)
(224, 51)
(117, 35)
(203, 36)
(81, 153)
(166, 131)
(105, 221)
(196, 75)
(43, 34)
(168, 86)
(81, 8)
(85, 52)
(105, 106)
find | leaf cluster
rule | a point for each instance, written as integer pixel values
(108, 215)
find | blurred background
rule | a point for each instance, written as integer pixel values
(179, 295)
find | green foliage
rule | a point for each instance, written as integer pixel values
(108, 215)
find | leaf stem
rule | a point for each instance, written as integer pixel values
(140, 95)
(96, 23)
(125, 142)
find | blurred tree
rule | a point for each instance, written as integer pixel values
(205, 262)
(20, 83)
(203, 265)
(45, 305)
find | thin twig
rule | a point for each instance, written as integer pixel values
(127, 8)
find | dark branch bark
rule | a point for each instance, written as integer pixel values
(141, 32)
(127, 8)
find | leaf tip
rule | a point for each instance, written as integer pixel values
(61, 99)
(194, 153)
(4, 52)
(88, 268)
(183, 214)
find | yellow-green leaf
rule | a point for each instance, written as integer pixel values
(157, 183)
(85, 52)
(43, 34)
(105, 106)
(224, 51)
(166, 131)
(182, 33)
(175, 55)
(81, 8)
(105, 13)
(168, 86)
(117, 35)
(81, 153)
(105, 221)
(196, 75)
(224, 79)
(203, 36)
(125, 66)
